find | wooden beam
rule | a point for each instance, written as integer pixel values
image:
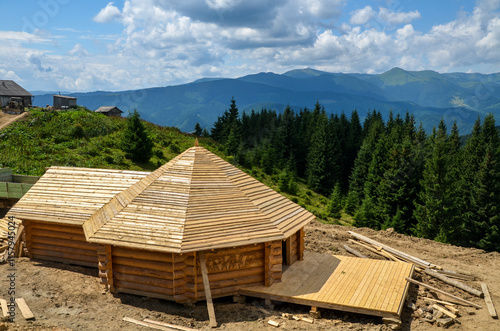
(5, 310)
(146, 324)
(489, 302)
(168, 325)
(393, 251)
(208, 294)
(355, 252)
(444, 311)
(454, 282)
(25, 310)
(463, 301)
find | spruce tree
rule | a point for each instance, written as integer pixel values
(198, 130)
(136, 143)
(334, 206)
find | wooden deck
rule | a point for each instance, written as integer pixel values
(351, 284)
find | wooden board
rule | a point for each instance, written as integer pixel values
(5, 310)
(365, 286)
(208, 295)
(489, 302)
(25, 310)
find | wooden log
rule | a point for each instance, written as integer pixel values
(301, 244)
(354, 252)
(64, 243)
(146, 280)
(395, 252)
(142, 272)
(58, 234)
(146, 324)
(462, 301)
(146, 264)
(5, 310)
(489, 302)
(168, 325)
(142, 254)
(119, 284)
(454, 274)
(371, 249)
(444, 311)
(273, 323)
(62, 249)
(208, 295)
(68, 257)
(454, 282)
(147, 294)
(25, 310)
(57, 227)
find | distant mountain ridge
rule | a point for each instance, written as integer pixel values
(429, 95)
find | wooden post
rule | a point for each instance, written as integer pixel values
(208, 294)
(268, 278)
(301, 244)
(288, 256)
(27, 224)
(109, 267)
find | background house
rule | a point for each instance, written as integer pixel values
(64, 102)
(109, 111)
(10, 89)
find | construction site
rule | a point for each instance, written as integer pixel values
(199, 244)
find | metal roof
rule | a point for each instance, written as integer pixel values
(12, 89)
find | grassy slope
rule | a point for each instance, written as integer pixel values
(81, 138)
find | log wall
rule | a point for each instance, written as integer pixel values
(294, 247)
(229, 269)
(59, 243)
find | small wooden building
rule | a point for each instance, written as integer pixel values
(10, 89)
(57, 205)
(153, 233)
(109, 111)
(64, 102)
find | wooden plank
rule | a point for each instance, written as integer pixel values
(146, 324)
(462, 301)
(5, 310)
(489, 302)
(208, 295)
(25, 310)
(168, 325)
(444, 311)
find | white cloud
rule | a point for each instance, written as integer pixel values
(362, 16)
(396, 18)
(108, 14)
(9, 75)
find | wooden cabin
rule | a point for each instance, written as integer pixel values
(109, 111)
(158, 234)
(57, 205)
(64, 102)
(9, 90)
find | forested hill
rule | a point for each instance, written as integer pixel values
(429, 95)
(387, 174)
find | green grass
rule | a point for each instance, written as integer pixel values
(82, 138)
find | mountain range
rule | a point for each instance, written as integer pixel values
(429, 95)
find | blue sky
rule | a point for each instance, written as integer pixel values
(72, 45)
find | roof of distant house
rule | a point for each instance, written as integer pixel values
(12, 89)
(107, 109)
(64, 96)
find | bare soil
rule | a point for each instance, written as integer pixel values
(64, 297)
(7, 119)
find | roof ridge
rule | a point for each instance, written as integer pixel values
(121, 200)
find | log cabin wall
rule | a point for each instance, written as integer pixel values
(59, 243)
(273, 262)
(229, 269)
(145, 273)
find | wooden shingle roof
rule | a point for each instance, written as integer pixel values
(71, 195)
(196, 201)
(107, 109)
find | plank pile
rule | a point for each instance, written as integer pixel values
(443, 313)
(4, 240)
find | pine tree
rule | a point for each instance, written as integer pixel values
(136, 143)
(198, 130)
(334, 206)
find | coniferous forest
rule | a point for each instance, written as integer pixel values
(385, 173)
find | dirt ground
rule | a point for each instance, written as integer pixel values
(66, 297)
(6, 119)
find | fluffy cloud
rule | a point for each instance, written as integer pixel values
(396, 18)
(108, 14)
(362, 16)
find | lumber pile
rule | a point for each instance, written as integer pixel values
(4, 238)
(434, 310)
